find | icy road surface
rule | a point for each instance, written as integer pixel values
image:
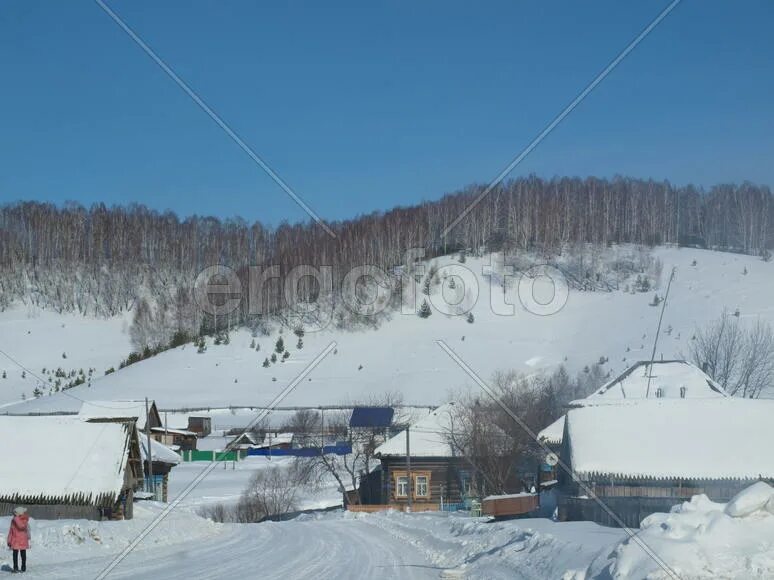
(325, 548)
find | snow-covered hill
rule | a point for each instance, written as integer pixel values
(402, 354)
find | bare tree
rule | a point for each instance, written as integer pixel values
(739, 358)
(305, 425)
(272, 492)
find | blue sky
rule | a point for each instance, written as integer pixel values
(364, 106)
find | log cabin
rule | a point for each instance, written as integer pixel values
(438, 474)
(644, 456)
(163, 457)
(67, 467)
(669, 379)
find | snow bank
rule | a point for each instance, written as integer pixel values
(58, 541)
(705, 539)
(465, 547)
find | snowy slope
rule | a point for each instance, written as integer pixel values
(402, 355)
(38, 339)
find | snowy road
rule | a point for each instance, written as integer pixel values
(327, 548)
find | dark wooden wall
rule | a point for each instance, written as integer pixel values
(443, 472)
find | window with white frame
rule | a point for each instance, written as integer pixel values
(421, 486)
(401, 486)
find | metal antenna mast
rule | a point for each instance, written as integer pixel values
(658, 331)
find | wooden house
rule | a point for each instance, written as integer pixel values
(243, 441)
(437, 474)
(641, 457)
(163, 458)
(202, 426)
(67, 467)
(179, 438)
(670, 379)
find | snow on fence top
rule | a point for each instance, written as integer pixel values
(68, 460)
(672, 379)
(116, 410)
(429, 437)
(660, 439)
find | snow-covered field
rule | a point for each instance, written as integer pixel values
(401, 355)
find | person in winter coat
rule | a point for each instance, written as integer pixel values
(19, 538)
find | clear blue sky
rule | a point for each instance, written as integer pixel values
(363, 106)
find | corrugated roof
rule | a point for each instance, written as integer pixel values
(682, 439)
(371, 417)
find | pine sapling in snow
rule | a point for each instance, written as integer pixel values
(266, 363)
(471, 319)
(279, 346)
(425, 311)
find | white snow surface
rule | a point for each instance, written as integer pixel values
(663, 438)
(659, 380)
(401, 355)
(699, 539)
(159, 452)
(668, 380)
(62, 457)
(428, 437)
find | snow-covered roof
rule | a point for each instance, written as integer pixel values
(116, 410)
(671, 377)
(245, 437)
(184, 432)
(273, 439)
(668, 380)
(552, 435)
(159, 452)
(687, 439)
(429, 437)
(60, 459)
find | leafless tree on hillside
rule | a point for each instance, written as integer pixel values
(740, 358)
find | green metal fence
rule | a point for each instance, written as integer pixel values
(196, 455)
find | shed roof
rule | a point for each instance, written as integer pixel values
(685, 439)
(63, 459)
(429, 437)
(160, 453)
(371, 417)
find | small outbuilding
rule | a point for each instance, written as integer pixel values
(67, 467)
(641, 457)
(180, 438)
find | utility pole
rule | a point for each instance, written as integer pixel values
(658, 331)
(269, 434)
(322, 431)
(408, 469)
(149, 456)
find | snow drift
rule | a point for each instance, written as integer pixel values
(705, 539)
